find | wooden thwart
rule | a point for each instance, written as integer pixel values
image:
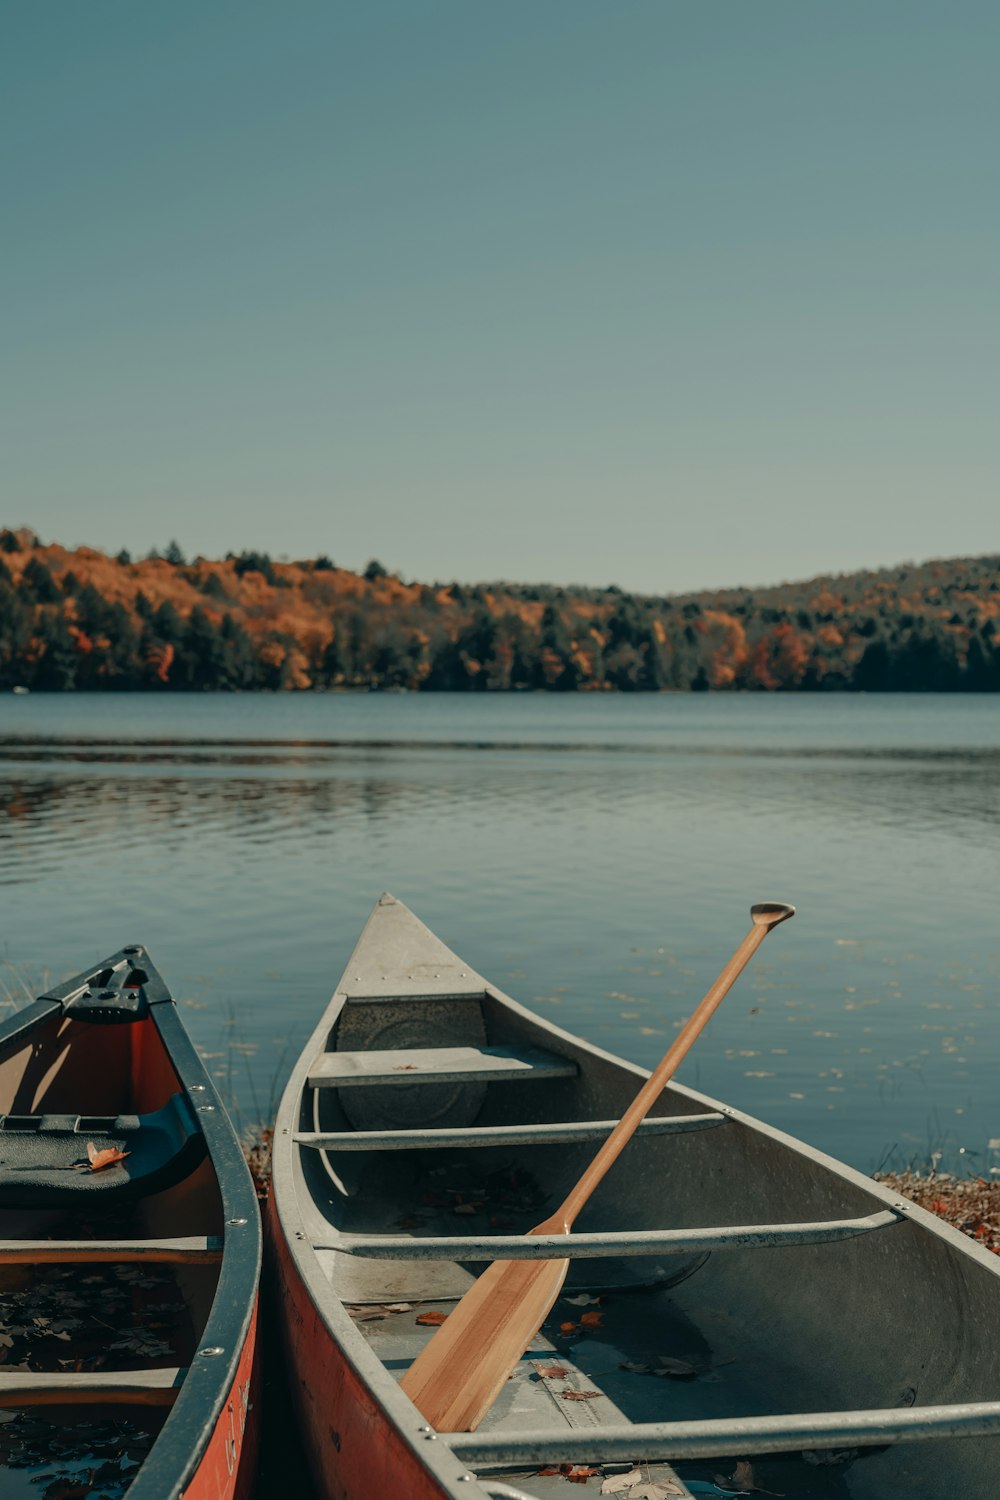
(202, 1249)
(437, 1065)
(124, 1387)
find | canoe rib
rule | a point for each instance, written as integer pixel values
(204, 1249)
(498, 1135)
(410, 1065)
(744, 1435)
(133, 1387)
(618, 1242)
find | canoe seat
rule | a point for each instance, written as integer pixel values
(44, 1161)
(411, 1065)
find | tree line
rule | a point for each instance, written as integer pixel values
(85, 621)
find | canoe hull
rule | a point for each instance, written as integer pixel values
(354, 1447)
(229, 1465)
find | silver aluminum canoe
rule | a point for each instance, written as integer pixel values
(733, 1294)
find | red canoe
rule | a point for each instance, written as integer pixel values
(130, 1249)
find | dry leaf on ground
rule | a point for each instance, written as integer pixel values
(592, 1320)
(580, 1395)
(552, 1372)
(567, 1327)
(583, 1300)
(432, 1319)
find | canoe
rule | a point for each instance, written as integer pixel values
(128, 1290)
(741, 1310)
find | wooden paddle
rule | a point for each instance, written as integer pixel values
(462, 1369)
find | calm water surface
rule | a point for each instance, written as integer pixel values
(594, 856)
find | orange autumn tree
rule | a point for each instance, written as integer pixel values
(83, 619)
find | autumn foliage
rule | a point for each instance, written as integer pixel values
(83, 620)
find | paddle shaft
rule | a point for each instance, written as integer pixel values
(460, 1371)
(659, 1078)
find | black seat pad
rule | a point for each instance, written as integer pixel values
(44, 1161)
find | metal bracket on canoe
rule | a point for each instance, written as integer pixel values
(627, 1242)
(121, 990)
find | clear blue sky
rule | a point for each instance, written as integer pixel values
(667, 294)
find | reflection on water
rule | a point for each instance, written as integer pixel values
(595, 859)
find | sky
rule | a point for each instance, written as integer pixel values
(666, 293)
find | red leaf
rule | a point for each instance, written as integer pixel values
(592, 1320)
(432, 1319)
(106, 1158)
(551, 1372)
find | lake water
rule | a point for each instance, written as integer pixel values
(594, 856)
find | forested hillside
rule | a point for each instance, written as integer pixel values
(83, 620)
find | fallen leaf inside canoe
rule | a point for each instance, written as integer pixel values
(581, 1396)
(106, 1158)
(583, 1300)
(399, 1306)
(674, 1369)
(617, 1482)
(432, 1319)
(567, 1327)
(592, 1320)
(576, 1473)
(552, 1372)
(405, 1068)
(743, 1476)
(632, 1487)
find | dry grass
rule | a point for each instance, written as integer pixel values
(257, 1150)
(971, 1204)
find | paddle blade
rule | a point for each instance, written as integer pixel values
(461, 1371)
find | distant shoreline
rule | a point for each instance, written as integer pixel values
(78, 621)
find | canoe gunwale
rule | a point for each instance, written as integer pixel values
(177, 1453)
(172, 1465)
